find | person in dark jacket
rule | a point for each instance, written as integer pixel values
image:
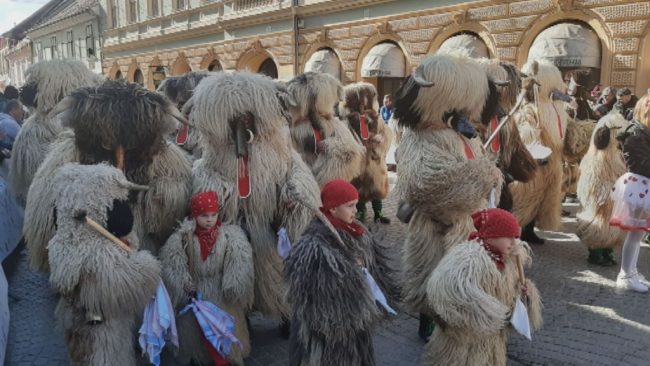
(631, 210)
(625, 103)
(338, 279)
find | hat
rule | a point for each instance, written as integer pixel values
(495, 223)
(623, 91)
(337, 192)
(204, 202)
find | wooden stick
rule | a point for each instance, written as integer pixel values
(520, 100)
(119, 157)
(100, 229)
(520, 269)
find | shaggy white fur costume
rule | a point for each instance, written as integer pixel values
(473, 299)
(51, 81)
(600, 168)
(540, 199)
(576, 145)
(225, 279)
(435, 175)
(94, 276)
(101, 118)
(338, 155)
(283, 193)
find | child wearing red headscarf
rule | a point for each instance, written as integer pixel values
(339, 280)
(204, 256)
(473, 290)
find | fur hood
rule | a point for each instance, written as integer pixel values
(315, 95)
(179, 89)
(47, 82)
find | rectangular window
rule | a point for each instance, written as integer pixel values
(181, 4)
(90, 41)
(69, 45)
(54, 47)
(132, 10)
(112, 13)
(154, 10)
(39, 51)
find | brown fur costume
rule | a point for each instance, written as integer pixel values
(473, 299)
(179, 90)
(225, 279)
(338, 155)
(101, 119)
(283, 193)
(600, 168)
(539, 200)
(97, 280)
(435, 175)
(576, 144)
(361, 98)
(47, 82)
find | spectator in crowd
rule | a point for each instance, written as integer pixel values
(626, 103)
(606, 102)
(10, 93)
(386, 110)
(10, 122)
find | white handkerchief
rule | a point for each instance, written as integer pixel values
(492, 201)
(520, 320)
(284, 244)
(376, 292)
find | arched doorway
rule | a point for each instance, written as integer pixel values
(180, 66)
(215, 65)
(467, 42)
(138, 77)
(158, 75)
(385, 67)
(324, 60)
(574, 47)
(118, 75)
(268, 68)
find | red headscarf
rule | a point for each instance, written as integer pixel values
(205, 202)
(336, 193)
(494, 223)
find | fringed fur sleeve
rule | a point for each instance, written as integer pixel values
(238, 270)
(456, 291)
(328, 294)
(341, 156)
(169, 191)
(175, 266)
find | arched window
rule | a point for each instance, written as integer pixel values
(268, 68)
(326, 61)
(466, 42)
(215, 65)
(138, 77)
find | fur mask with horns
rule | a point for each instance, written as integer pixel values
(315, 95)
(447, 90)
(360, 99)
(548, 78)
(179, 89)
(47, 82)
(118, 116)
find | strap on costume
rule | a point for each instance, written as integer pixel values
(469, 152)
(559, 120)
(495, 145)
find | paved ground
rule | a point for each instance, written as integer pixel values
(587, 322)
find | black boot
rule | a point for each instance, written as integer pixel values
(361, 211)
(426, 327)
(608, 257)
(528, 234)
(285, 328)
(595, 257)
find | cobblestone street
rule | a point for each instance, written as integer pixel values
(587, 322)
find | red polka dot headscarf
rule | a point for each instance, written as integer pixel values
(204, 202)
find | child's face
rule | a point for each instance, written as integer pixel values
(207, 220)
(346, 211)
(502, 245)
(388, 103)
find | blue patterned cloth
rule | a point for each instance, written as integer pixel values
(158, 325)
(217, 326)
(284, 244)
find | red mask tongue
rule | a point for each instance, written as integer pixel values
(181, 136)
(496, 142)
(243, 178)
(317, 139)
(363, 126)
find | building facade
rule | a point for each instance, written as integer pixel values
(18, 58)
(379, 41)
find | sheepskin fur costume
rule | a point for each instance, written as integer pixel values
(324, 142)
(283, 191)
(179, 90)
(333, 310)
(642, 110)
(600, 168)
(508, 151)
(473, 300)
(101, 119)
(544, 122)
(436, 176)
(225, 279)
(576, 144)
(97, 279)
(46, 83)
(361, 100)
